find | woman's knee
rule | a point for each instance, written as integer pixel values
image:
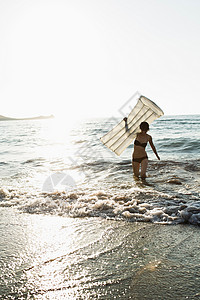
(136, 167)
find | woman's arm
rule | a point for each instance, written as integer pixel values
(153, 147)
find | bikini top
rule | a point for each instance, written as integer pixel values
(137, 143)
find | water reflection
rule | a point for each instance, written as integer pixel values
(49, 257)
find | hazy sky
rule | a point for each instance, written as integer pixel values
(87, 57)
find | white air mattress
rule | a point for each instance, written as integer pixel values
(121, 136)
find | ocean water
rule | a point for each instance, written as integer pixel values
(48, 168)
(72, 215)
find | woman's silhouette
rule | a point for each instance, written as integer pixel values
(140, 157)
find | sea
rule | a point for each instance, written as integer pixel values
(76, 224)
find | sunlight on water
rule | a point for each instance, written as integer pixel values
(46, 259)
(47, 249)
(75, 224)
(48, 256)
(56, 133)
(51, 257)
(56, 147)
(58, 130)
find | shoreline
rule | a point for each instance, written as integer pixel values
(97, 258)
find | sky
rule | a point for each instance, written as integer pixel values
(86, 58)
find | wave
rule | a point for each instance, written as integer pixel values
(179, 118)
(183, 145)
(118, 200)
(33, 160)
(169, 195)
(192, 165)
(2, 163)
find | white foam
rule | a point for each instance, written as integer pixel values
(128, 205)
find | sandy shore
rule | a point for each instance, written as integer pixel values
(51, 257)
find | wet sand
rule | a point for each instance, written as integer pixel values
(51, 257)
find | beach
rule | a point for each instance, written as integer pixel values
(48, 257)
(76, 82)
(75, 224)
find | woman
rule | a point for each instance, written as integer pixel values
(139, 154)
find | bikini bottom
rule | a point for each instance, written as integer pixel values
(140, 159)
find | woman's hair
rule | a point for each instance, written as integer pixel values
(144, 126)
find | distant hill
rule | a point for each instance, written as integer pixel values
(3, 118)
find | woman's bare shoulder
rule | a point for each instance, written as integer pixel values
(149, 137)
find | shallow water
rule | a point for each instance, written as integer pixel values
(48, 168)
(51, 257)
(75, 224)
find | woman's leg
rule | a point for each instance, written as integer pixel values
(144, 165)
(136, 167)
